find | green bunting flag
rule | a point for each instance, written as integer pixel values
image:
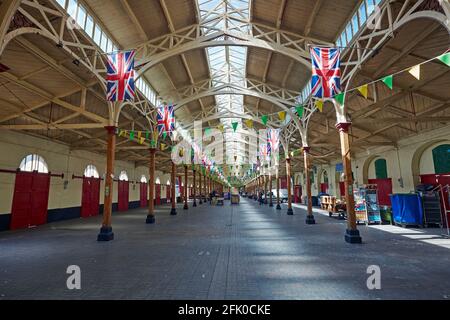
(340, 98)
(207, 131)
(235, 125)
(388, 81)
(300, 109)
(164, 135)
(147, 135)
(445, 58)
(131, 135)
(264, 119)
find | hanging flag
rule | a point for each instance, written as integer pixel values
(364, 90)
(166, 120)
(282, 115)
(207, 131)
(221, 128)
(249, 123)
(415, 71)
(326, 72)
(264, 119)
(141, 140)
(319, 105)
(388, 81)
(300, 109)
(163, 146)
(131, 135)
(445, 58)
(273, 140)
(120, 76)
(122, 133)
(164, 135)
(235, 125)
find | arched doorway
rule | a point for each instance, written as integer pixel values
(31, 191)
(323, 181)
(143, 191)
(377, 173)
(90, 198)
(123, 191)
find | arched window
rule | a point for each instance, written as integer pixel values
(168, 182)
(158, 181)
(123, 176)
(33, 162)
(91, 172)
(441, 159)
(143, 179)
(381, 169)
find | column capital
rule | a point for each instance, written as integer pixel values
(343, 126)
(111, 129)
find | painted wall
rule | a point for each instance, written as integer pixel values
(15, 146)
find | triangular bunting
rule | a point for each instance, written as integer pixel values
(300, 109)
(131, 135)
(415, 71)
(388, 81)
(220, 127)
(164, 135)
(141, 140)
(207, 131)
(319, 105)
(249, 123)
(340, 97)
(282, 115)
(364, 90)
(264, 119)
(445, 58)
(235, 125)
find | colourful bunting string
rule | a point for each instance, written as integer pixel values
(319, 105)
(264, 119)
(364, 90)
(300, 109)
(282, 115)
(388, 81)
(415, 71)
(445, 58)
(340, 97)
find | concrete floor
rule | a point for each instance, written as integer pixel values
(232, 252)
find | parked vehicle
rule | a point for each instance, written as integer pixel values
(283, 195)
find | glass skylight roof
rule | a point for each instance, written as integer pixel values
(227, 63)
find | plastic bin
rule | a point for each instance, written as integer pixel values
(407, 209)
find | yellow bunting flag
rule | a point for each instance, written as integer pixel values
(163, 146)
(319, 105)
(364, 90)
(249, 123)
(221, 128)
(141, 140)
(415, 71)
(282, 115)
(121, 133)
(139, 134)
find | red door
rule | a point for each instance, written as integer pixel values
(384, 189)
(30, 200)
(123, 195)
(90, 199)
(298, 194)
(342, 188)
(144, 201)
(158, 194)
(324, 187)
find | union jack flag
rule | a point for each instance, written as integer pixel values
(120, 76)
(273, 140)
(326, 72)
(166, 119)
